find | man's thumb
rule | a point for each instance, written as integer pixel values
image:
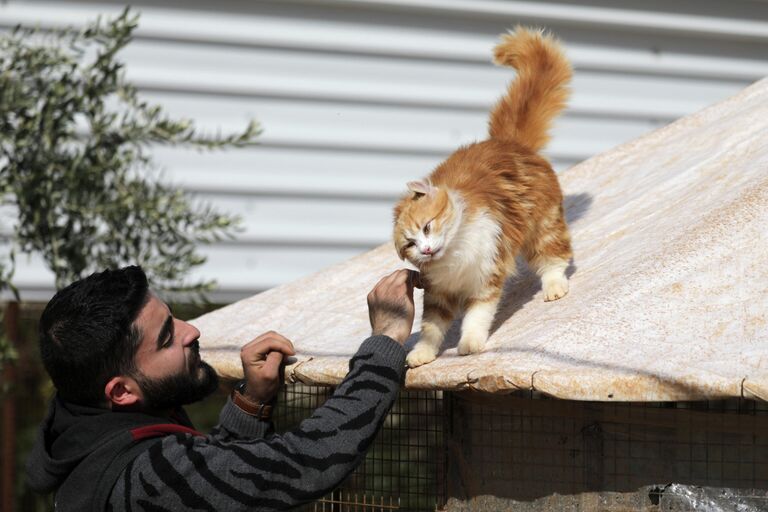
(272, 364)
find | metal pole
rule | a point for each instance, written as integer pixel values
(11, 321)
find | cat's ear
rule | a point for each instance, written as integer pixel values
(422, 187)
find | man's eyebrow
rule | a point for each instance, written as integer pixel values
(165, 331)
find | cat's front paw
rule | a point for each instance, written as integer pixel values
(471, 345)
(420, 354)
(554, 287)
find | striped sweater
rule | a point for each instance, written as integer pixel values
(242, 465)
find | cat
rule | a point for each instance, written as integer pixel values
(489, 201)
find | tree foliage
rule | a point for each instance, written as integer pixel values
(76, 177)
(7, 355)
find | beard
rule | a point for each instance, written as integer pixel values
(197, 382)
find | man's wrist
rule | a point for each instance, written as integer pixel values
(257, 408)
(398, 335)
(252, 393)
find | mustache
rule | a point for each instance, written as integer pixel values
(194, 360)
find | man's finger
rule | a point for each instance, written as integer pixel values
(275, 345)
(396, 278)
(264, 335)
(387, 281)
(268, 334)
(402, 275)
(259, 349)
(272, 364)
(414, 279)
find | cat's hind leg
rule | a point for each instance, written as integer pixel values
(549, 253)
(435, 322)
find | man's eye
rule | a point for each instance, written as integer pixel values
(168, 342)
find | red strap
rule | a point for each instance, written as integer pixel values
(162, 429)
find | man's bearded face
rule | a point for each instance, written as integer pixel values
(194, 383)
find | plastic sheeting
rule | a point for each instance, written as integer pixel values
(669, 283)
(685, 498)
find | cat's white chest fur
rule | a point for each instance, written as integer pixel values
(470, 258)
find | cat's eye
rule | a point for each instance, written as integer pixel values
(410, 243)
(427, 227)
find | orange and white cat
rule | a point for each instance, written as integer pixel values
(489, 201)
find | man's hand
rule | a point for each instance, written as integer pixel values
(262, 359)
(390, 305)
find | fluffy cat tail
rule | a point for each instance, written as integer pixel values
(539, 91)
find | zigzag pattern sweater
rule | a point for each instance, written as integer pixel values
(241, 465)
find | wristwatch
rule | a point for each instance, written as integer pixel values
(260, 410)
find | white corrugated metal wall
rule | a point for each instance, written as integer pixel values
(358, 96)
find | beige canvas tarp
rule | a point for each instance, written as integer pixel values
(669, 283)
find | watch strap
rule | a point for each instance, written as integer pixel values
(259, 410)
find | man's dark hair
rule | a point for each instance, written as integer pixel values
(87, 334)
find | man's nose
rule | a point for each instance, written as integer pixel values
(189, 333)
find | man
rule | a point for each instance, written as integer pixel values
(116, 437)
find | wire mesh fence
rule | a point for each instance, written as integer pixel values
(450, 451)
(621, 455)
(404, 469)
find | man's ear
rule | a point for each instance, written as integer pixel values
(122, 391)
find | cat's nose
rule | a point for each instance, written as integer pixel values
(426, 250)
